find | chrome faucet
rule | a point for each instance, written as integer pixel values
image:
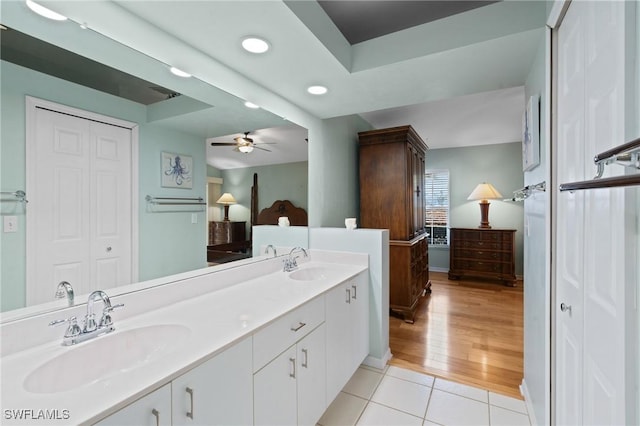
(270, 246)
(291, 263)
(65, 290)
(91, 328)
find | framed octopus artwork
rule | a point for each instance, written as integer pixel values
(177, 170)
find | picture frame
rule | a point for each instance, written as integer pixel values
(531, 134)
(176, 170)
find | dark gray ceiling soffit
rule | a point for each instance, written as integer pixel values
(38, 55)
(361, 20)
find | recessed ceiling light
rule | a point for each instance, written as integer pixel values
(251, 105)
(255, 45)
(317, 90)
(179, 72)
(43, 11)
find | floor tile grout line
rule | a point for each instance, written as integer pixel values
(426, 409)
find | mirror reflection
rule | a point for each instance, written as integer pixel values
(85, 206)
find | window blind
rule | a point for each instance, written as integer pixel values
(437, 206)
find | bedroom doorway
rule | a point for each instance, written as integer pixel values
(466, 331)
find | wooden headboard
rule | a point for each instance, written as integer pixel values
(269, 216)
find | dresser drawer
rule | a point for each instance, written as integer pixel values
(498, 256)
(485, 266)
(285, 331)
(487, 245)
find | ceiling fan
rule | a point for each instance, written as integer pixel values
(244, 144)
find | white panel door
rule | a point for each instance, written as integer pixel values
(570, 217)
(590, 258)
(111, 205)
(80, 209)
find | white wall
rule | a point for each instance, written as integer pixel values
(537, 252)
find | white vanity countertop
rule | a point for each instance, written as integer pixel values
(216, 320)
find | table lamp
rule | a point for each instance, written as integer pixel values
(483, 192)
(226, 199)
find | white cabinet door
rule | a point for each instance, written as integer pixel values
(274, 391)
(153, 409)
(217, 392)
(311, 377)
(338, 317)
(360, 318)
(347, 322)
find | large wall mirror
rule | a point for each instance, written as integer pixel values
(172, 115)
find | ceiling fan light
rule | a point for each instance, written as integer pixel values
(43, 11)
(255, 45)
(245, 149)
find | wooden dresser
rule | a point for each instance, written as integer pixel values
(392, 165)
(487, 253)
(226, 232)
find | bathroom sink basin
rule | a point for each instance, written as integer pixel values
(105, 356)
(310, 274)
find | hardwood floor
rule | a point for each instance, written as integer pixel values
(465, 331)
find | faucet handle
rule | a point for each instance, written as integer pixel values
(73, 330)
(106, 320)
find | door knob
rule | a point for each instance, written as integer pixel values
(565, 308)
(108, 249)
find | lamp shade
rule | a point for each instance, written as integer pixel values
(226, 199)
(484, 191)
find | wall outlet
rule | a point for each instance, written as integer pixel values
(10, 224)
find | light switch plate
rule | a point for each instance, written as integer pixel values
(10, 224)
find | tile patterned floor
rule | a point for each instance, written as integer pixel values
(401, 397)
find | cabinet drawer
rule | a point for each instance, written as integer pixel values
(285, 331)
(483, 255)
(488, 266)
(491, 245)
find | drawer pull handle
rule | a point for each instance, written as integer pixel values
(355, 291)
(156, 413)
(293, 368)
(348, 296)
(305, 363)
(190, 412)
(480, 252)
(300, 325)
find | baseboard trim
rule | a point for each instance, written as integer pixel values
(438, 269)
(524, 391)
(379, 363)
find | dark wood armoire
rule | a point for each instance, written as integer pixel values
(392, 166)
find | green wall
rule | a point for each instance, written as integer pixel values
(162, 236)
(288, 181)
(334, 192)
(500, 165)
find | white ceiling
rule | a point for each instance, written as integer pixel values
(482, 57)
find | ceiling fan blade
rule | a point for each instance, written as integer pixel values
(223, 144)
(264, 149)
